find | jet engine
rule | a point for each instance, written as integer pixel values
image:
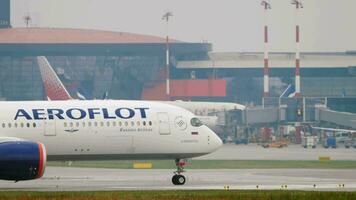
(22, 160)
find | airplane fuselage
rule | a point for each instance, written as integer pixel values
(109, 129)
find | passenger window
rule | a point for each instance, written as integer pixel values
(9, 125)
(138, 123)
(95, 123)
(83, 124)
(77, 124)
(3, 125)
(21, 125)
(89, 124)
(34, 125)
(120, 123)
(132, 123)
(126, 123)
(65, 124)
(107, 124)
(113, 123)
(144, 123)
(28, 125)
(15, 125)
(150, 123)
(101, 123)
(71, 124)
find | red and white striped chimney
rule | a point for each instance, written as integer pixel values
(266, 6)
(298, 5)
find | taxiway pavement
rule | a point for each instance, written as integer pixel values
(92, 179)
(292, 152)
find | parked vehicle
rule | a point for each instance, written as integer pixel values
(342, 137)
(350, 143)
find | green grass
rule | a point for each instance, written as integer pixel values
(218, 164)
(181, 195)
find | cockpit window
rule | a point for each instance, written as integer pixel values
(195, 122)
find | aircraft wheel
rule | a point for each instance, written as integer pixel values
(178, 179)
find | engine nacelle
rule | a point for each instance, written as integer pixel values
(22, 160)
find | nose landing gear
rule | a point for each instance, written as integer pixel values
(178, 178)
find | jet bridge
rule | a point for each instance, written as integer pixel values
(324, 114)
(287, 110)
(261, 115)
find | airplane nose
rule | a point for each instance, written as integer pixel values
(215, 141)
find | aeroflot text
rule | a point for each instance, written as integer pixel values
(78, 113)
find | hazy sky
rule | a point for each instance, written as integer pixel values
(231, 25)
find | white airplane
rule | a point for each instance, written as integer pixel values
(55, 90)
(35, 131)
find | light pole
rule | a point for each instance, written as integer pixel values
(27, 18)
(298, 5)
(266, 7)
(166, 17)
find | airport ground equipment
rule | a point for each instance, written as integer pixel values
(242, 141)
(309, 141)
(279, 144)
(330, 142)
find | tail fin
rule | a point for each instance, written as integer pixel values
(54, 88)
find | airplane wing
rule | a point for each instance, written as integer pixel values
(334, 129)
(54, 88)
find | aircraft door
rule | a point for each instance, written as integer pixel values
(163, 124)
(50, 128)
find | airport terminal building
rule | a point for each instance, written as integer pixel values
(132, 66)
(91, 62)
(126, 65)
